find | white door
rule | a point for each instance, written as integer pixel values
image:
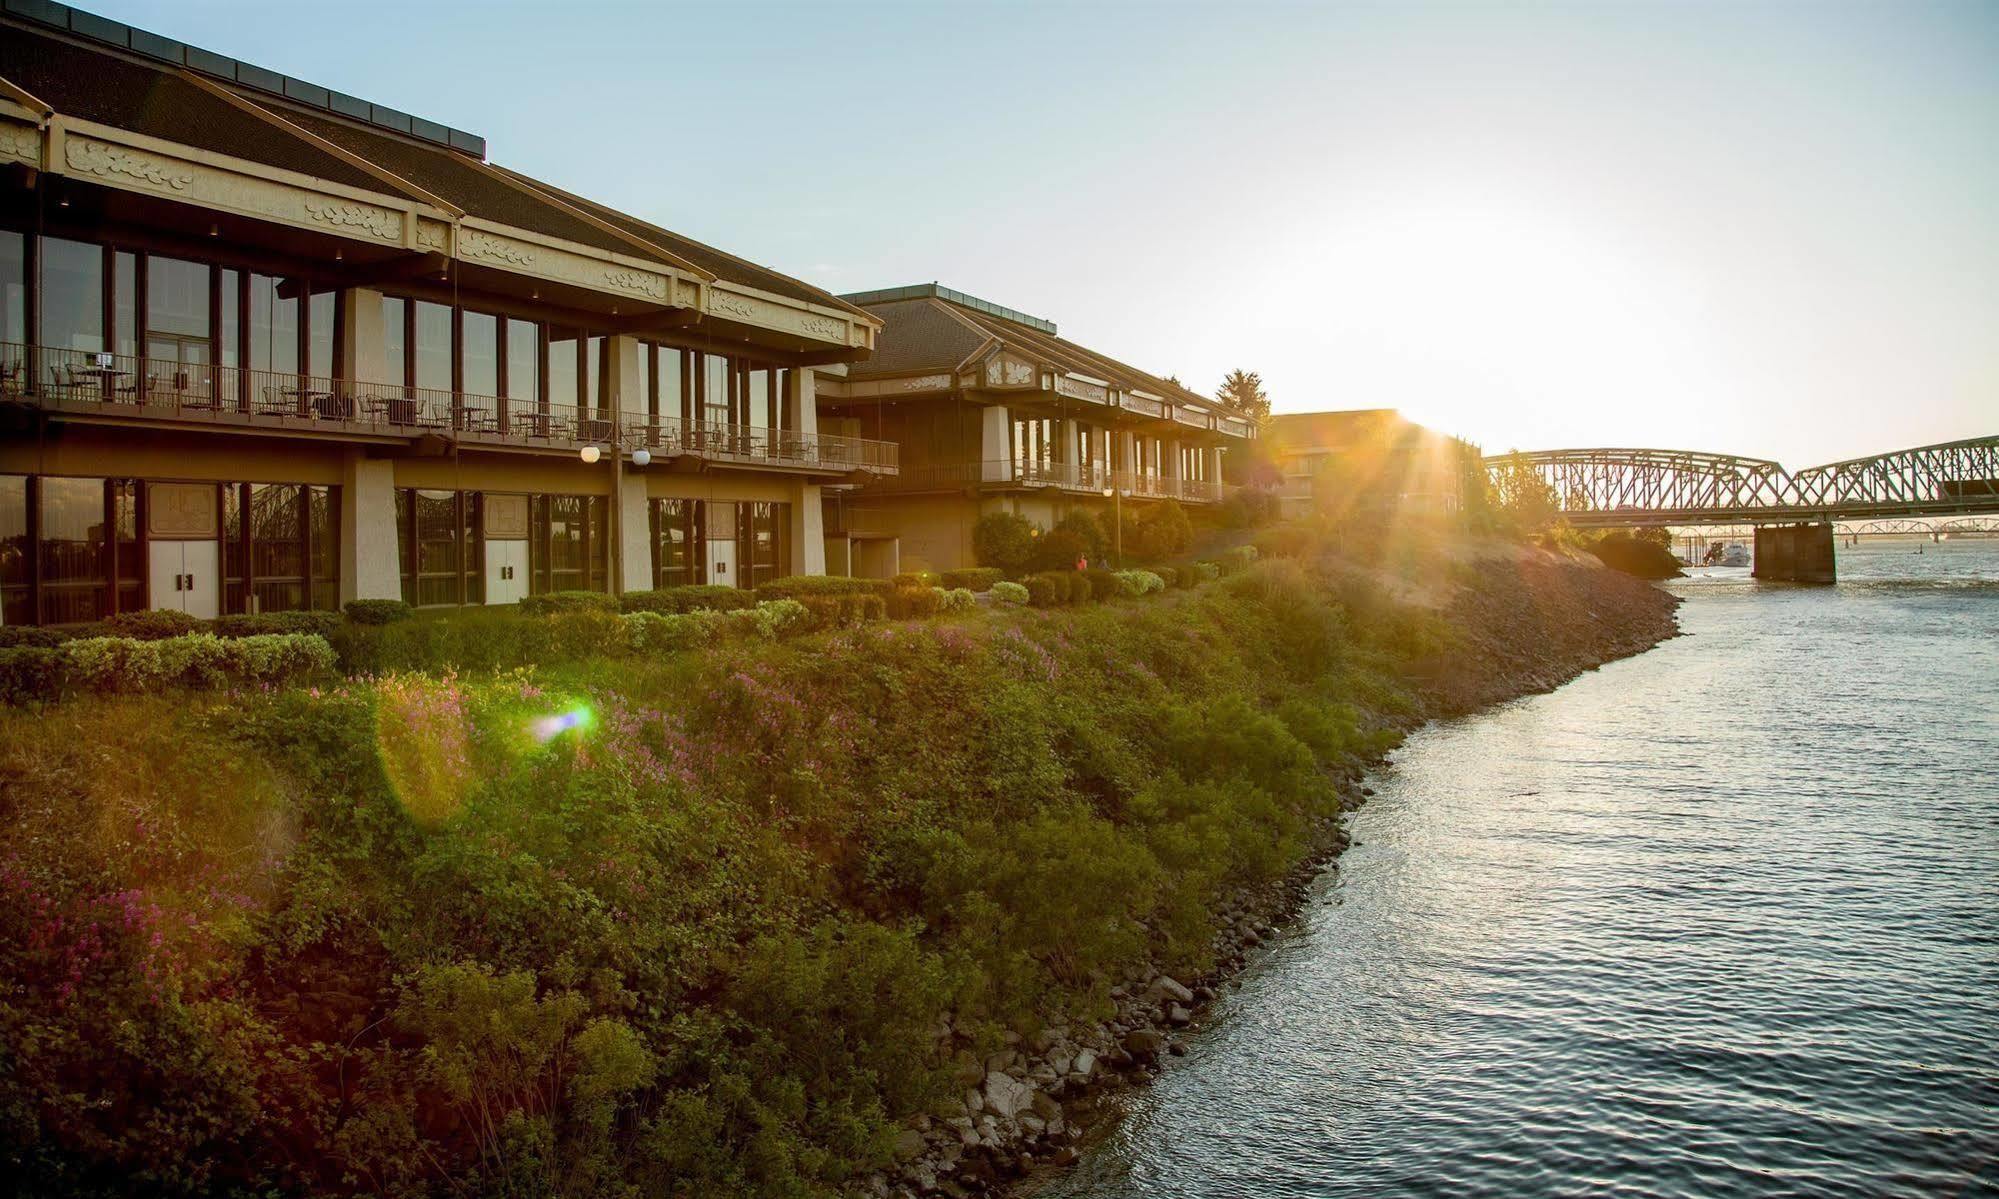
(184, 577)
(506, 571)
(722, 561)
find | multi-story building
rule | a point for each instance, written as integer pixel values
(1367, 460)
(992, 411)
(266, 346)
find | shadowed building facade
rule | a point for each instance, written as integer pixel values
(266, 346)
(994, 411)
(1366, 460)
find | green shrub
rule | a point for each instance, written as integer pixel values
(155, 625)
(1103, 584)
(30, 672)
(1248, 507)
(801, 586)
(915, 578)
(972, 578)
(30, 636)
(1283, 541)
(1089, 531)
(1235, 558)
(1163, 531)
(568, 601)
(1004, 592)
(1139, 582)
(317, 623)
(773, 619)
(1049, 589)
(912, 603)
(1004, 540)
(694, 597)
(377, 611)
(1060, 549)
(668, 632)
(843, 610)
(956, 599)
(1200, 572)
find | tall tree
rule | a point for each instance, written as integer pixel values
(1242, 393)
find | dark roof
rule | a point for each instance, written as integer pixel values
(720, 263)
(98, 86)
(102, 84)
(915, 340)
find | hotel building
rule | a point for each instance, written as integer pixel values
(993, 411)
(267, 346)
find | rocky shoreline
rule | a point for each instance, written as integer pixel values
(1534, 621)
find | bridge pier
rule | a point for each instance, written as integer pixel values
(1794, 553)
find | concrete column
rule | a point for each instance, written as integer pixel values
(808, 531)
(370, 562)
(634, 534)
(801, 403)
(624, 374)
(1169, 465)
(1214, 456)
(1126, 447)
(995, 444)
(363, 349)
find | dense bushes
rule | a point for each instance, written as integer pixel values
(913, 603)
(1005, 592)
(132, 665)
(319, 624)
(971, 578)
(694, 597)
(801, 586)
(680, 923)
(1003, 540)
(155, 625)
(568, 601)
(377, 611)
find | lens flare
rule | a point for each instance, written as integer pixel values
(547, 728)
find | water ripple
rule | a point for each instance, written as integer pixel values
(1721, 920)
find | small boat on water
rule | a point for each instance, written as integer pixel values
(1732, 554)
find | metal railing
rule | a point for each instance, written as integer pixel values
(128, 386)
(1090, 479)
(757, 444)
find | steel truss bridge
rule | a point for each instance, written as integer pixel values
(1630, 488)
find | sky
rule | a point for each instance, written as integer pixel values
(1762, 229)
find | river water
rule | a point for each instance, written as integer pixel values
(1718, 920)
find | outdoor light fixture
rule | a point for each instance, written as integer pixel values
(641, 457)
(591, 453)
(215, 231)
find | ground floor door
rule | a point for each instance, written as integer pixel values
(185, 575)
(506, 571)
(722, 560)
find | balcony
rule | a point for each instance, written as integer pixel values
(1077, 478)
(126, 388)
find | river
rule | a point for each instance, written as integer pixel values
(1718, 920)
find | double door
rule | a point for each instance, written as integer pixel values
(185, 576)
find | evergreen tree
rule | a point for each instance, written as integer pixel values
(1242, 393)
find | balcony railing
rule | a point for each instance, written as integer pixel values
(753, 444)
(126, 386)
(1091, 479)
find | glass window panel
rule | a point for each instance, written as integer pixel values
(593, 384)
(73, 540)
(176, 298)
(406, 541)
(130, 569)
(232, 326)
(323, 528)
(277, 546)
(433, 345)
(481, 367)
(273, 327)
(759, 399)
(562, 368)
(523, 360)
(72, 314)
(676, 536)
(715, 385)
(322, 324)
(666, 381)
(395, 355)
(13, 290)
(235, 554)
(437, 541)
(15, 546)
(125, 301)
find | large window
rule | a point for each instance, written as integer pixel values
(1033, 443)
(679, 550)
(443, 554)
(17, 569)
(72, 308)
(763, 542)
(562, 373)
(274, 327)
(179, 340)
(668, 397)
(13, 298)
(89, 549)
(523, 364)
(567, 547)
(280, 547)
(480, 353)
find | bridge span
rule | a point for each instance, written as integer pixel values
(1637, 488)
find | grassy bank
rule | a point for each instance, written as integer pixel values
(703, 923)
